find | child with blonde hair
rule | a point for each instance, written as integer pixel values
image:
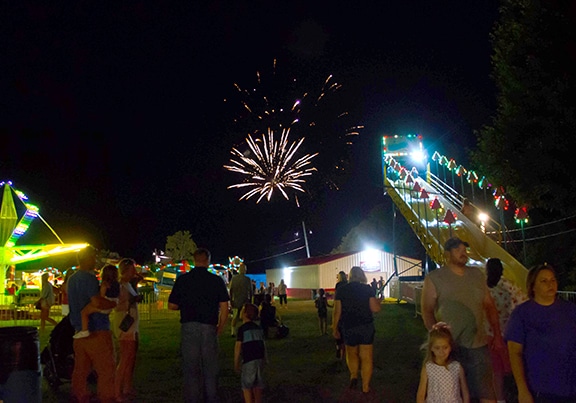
(442, 379)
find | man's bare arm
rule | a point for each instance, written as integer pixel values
(428, 303)
(222, 317)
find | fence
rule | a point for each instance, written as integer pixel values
(411, 291)
(568, 295)
(154, 307)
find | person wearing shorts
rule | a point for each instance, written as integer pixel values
(354, 305)
(250, 354)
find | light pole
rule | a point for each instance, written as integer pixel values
(452, 167)
(306, 240)
(449, 219)
(417, 189)
(444, 163)
(501, 204)
(436, 158)
(435, 205)
(472, 178)
(521, 216)
(461, 171)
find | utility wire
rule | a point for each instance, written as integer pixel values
(542, 225)
(279, 254)
(543, 236)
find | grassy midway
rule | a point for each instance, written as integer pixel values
(302, 367)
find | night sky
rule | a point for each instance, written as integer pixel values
(113, 120)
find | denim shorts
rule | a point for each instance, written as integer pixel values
(252, 375)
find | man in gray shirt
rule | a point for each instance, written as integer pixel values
(458, 295)
(240, 294)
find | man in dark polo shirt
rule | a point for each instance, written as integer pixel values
(202, 299)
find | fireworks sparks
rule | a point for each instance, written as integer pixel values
(274, 166)
(278, 102)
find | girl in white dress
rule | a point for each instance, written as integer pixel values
(442, 379)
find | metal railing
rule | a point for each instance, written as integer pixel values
(568, 295)
(25, 315)
(153, 307)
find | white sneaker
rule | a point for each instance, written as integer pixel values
(81, 334)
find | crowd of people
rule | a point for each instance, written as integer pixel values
(481, 328)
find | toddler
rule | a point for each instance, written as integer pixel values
(322, 305)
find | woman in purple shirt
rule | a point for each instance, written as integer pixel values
(541, 336)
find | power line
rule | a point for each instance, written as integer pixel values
(279, 254)
(543, 236)
(542, 225)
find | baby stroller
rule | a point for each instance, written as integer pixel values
(58, 355)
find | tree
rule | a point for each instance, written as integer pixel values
(376, 230)
(527, 147)
(180, 246)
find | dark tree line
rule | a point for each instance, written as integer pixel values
(528, 148)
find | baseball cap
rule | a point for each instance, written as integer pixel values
(454, 242)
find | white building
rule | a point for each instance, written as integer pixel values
(320, 272)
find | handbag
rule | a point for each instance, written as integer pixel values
(38, 304)
(127, 322)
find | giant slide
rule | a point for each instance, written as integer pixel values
(432, 209)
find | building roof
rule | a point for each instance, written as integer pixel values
(321, 259)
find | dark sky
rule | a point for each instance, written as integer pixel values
(113, 121)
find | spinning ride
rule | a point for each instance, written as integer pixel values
(13, 226)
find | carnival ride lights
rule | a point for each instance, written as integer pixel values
(409, 146)
(418, 156)
(30, 214)
(12, 229)
(484, 218)
(215, 268)
(487, 241)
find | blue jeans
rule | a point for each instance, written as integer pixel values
(199, 347)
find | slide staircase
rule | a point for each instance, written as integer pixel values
(433, 210)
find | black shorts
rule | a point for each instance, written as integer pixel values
(362, 334)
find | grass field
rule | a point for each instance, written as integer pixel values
(302, 367)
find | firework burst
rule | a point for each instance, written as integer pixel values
(273, 167)
(280, 102)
